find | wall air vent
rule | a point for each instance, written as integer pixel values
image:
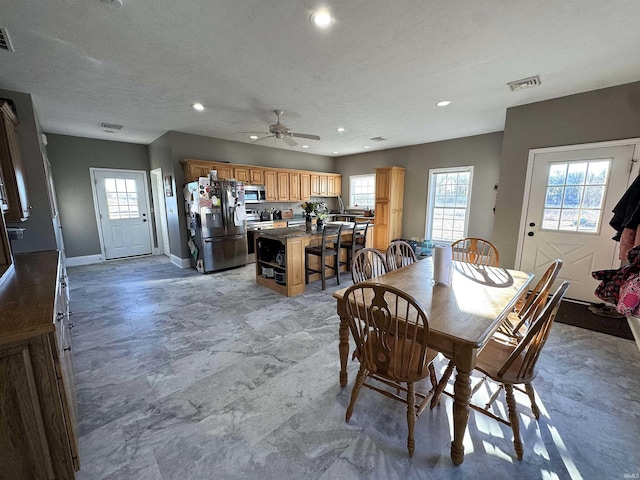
(111, 126)
(525, 83)
(377, 139)
(5, 43)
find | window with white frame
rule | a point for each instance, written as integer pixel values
(449, 203)
(362, 191)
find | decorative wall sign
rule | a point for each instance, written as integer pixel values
(168, 186)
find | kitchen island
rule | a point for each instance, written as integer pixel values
(282, 249)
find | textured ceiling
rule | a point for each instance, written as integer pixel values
(378, 71)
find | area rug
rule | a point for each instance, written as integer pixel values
(579, 315)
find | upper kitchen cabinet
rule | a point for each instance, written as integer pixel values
(241, 174)
(271, 185)
(305, 186)
(283, 186)
(194, 169)
(334, 185)
(225, 171)
(256, 176)
(294, 187)
(13, 191)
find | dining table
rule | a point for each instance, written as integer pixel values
(462, 317)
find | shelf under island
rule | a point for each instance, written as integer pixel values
(282, 249)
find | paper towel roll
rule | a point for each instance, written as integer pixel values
(442, 264)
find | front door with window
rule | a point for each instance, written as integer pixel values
(571, 196)
(122, 200)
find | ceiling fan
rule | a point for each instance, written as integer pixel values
(282, 132)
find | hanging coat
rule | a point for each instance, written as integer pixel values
(626, 213)
(622, 286)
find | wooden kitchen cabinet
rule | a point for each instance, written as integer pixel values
(324, 185)
(38, 425)
(283, 186)
(389, 206)
(194, 169)
(13, 191)
(256, 176)
(225, 170)
(334, 185)
(294, 187)
(315, 185)
(305, 187)
(242, 174)
(271, 185)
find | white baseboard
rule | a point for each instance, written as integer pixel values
(84, 260)
(180, 262)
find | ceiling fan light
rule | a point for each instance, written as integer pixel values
(322, 18)
(340, 129)
(443, 103)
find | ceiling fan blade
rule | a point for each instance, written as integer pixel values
(257, 133)
(305, 135)
(290, 141)
(260, 139)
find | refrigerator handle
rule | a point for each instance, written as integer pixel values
(224, 206)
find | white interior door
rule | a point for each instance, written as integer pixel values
(571, 197)
(122, 201)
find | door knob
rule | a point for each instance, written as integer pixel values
(531, 234)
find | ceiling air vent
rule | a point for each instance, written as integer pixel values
(5, 43)
(525, 83)
(377, 139)
(111, 126)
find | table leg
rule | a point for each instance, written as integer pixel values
(344, 349)
(462, 395)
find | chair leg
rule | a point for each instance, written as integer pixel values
(323, 273)
(513, 419)
(337, 265)
(411, 417)
(432, 376)
(362, 374)
(306, 269)
(532, 397)
(443, 383)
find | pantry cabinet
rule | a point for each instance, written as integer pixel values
(38, 424)
(13, 189)
(389, 206)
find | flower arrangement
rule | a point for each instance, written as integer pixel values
(320, 209)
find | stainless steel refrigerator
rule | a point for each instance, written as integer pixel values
(216, 219)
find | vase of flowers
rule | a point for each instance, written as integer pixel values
(319, 209)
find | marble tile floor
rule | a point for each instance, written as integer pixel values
(187, 376)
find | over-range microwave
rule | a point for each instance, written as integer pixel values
(254, 194)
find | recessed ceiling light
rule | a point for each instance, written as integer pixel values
(443, 103)
(340, 129)
(305, 146)
(366, 146)
(198, 106)
(335, 152)
(253, 137)
(322, 18)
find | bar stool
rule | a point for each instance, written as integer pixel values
(357, 242)
(327, 249)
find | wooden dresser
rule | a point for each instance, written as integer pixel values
(38, 425)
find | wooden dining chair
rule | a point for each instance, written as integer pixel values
(367, 263)
(400, 254)
(357, 242)
(328, 248)
(509, 365)
(475, 250)
(517, 322)
(390, 329)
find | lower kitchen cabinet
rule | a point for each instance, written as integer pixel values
(38, 425)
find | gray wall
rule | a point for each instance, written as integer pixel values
(70, 159)
(481, 151)
(167, 151)
(39, 234)
(606, 114)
